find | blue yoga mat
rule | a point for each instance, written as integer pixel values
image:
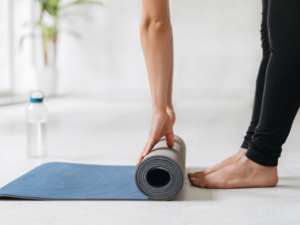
(75, 181)
(158, 177)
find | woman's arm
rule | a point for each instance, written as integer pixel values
(157, 44)
(170, 108)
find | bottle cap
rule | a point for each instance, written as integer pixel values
(36, 96)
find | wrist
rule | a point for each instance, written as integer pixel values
(170, 108)
(159, 111)
(170, 104)
(159, 107)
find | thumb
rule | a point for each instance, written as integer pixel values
(169, 140)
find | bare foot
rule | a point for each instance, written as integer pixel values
(221, 165)
(241, 174)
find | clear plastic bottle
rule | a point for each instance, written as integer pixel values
(36, 114)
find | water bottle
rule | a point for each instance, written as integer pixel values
(36, 115)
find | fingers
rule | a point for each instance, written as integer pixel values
(139, 160)
(140, 157)
(151, 142)
(149, 146)
(170, 140)
(161, 126)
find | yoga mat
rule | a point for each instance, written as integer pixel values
(161, 173)
(158, 177)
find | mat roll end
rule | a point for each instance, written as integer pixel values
(160, 174)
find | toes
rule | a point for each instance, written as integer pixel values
(203, 184)
(190, 174)
(190, 179)
(211, 186)
(208, 181)
(198, 182)
(194, 181)
(197, 174)
(193, 174)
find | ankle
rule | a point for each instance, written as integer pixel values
(240, 154)
(159, 114)
(251, 163)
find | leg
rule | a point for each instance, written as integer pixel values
(282, 93)
(281, 99)
(260, 83)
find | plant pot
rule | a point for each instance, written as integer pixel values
(46, 80)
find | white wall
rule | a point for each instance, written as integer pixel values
(217, 49)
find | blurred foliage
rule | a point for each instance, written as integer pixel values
(49, 33)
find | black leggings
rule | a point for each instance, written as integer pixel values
(277, 95)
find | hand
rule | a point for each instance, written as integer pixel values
(171, 112)
(162, 125)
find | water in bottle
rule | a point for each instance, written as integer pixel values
(36, 114)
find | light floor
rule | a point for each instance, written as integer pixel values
(113, 133)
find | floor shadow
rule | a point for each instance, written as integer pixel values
(289, 187)
(287, 178)
(11, 199)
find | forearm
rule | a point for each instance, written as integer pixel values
(156, 40)
(170, 84)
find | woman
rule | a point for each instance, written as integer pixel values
(277, 99)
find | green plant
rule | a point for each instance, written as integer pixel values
(50, 33)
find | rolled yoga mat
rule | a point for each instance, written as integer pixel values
(161, 173)
(158, 177)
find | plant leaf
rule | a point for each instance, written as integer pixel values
(51, 6)
(49, 33)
